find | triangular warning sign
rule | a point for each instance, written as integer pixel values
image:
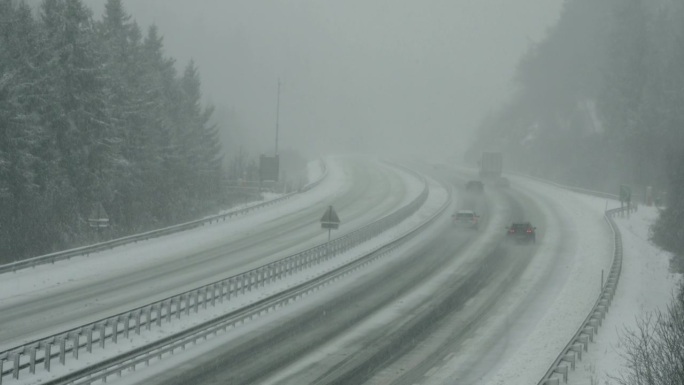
(330, 219)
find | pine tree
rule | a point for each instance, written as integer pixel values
(94, 115)
(23, 176)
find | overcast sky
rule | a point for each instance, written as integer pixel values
(366, 75)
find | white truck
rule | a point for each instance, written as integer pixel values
(491, 165)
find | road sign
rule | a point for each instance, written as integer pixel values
(98, 222)
(625, 193)
(330, 219)
(98, 217)
(269, 167)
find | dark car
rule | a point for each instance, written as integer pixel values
(522, 232)
(475, 186)
(465, 218)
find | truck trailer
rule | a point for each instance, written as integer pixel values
(491, 165)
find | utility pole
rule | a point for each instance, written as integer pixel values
(277, 118)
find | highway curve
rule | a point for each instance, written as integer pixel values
(443, 310)
(371, 190)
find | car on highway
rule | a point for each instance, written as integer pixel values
(522, 232)
(466, 218)
(474, 186)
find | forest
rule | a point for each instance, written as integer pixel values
(95, 122)
(598, 104)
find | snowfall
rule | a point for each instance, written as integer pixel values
(646, 283)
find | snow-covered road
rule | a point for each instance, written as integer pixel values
(447, 307)
(52, 298)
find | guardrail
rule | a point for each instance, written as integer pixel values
(86, 250)
(94, 334)
(129, 361)
(572, 352)
(580, 190)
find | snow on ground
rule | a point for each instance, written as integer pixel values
(436, 199)
(314, 170)
(568, 289)
(19, 285)
(646, 284)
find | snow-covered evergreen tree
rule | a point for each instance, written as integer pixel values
(93, 115)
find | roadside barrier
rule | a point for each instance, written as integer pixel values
(68, 344)
(87, 250)
(572, 352)
(129, 361)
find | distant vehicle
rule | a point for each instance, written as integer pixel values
(503, 182)
(491, 165)
(475, 186)
(466, 218)
(522, 232)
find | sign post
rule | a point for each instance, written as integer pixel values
(330, 220)
(625, 198)
(98, 220)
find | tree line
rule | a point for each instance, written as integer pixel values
(96, 122)
(598, 104)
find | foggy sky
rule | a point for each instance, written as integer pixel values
(406, 76)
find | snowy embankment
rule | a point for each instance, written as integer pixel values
(646, 284)
(564, 280)
(89, 270)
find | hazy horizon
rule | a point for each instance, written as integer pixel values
(382, 76)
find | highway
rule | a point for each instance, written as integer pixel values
(451, 305)
(446, 309)
(93, 292)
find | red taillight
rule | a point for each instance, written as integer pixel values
(529, 230)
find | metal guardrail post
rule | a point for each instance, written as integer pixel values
(32, 360)
(563, 370)
(15, 361)
(115, 326)
(89, 339)
(138, 316)
(102, 327)
(62, 350)
(75, 337)
(577, 349)
(48, 356)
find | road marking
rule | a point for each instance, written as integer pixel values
(432, 371)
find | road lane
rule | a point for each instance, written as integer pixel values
(373, 191)
(330, 343)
